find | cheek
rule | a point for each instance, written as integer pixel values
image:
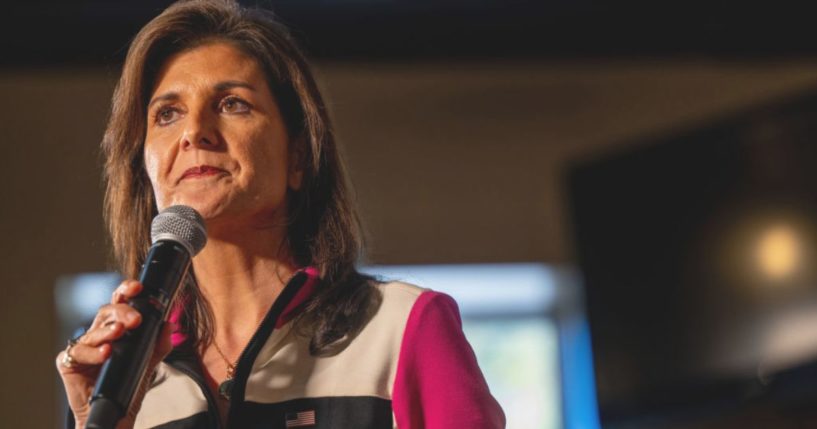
(266, 170)
(151, 165)
(153, 168)
(265, 153)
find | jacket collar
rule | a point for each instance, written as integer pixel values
(292, 309)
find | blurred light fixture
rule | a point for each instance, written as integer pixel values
(778, 252)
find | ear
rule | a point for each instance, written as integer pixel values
(297, 156)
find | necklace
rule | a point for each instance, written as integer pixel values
(226, 386)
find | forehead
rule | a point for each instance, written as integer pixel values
(205, 65)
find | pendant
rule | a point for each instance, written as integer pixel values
(226, 388)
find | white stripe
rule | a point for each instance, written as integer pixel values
(285, 370)
(187, 397)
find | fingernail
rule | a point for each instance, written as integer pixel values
(131, 317)
(111, 325)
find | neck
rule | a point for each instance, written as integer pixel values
(241, 277)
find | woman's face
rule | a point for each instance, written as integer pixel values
(215, 138)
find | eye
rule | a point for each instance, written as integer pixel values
(233, 104)
(166, 115)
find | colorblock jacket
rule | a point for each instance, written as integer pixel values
(410, 367)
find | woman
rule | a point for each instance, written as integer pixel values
(217, 109)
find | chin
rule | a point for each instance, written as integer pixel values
(207, 206)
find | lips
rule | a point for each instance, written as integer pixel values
(201, 171)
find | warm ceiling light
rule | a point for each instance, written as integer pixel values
(778, 252)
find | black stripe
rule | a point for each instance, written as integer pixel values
(196, 421)
(237, 418)
(358, 412)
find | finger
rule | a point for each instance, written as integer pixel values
(107, 332)
(125, 291)
(122, 313)
(82, 357)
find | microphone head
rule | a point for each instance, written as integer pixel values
(181, 224)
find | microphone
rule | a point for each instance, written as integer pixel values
(177, 234)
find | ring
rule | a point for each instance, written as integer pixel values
(68, 360)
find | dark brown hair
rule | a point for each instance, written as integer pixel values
(323, 226)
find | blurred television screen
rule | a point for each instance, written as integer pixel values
(697, 252)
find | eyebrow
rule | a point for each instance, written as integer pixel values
(230, 84)
(163, 97)
(221, 86)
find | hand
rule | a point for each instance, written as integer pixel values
(93, 348)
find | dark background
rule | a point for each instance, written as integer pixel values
(695, 313)
(458, 120)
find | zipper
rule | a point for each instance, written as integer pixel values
(253, 347)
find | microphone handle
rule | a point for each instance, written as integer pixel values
(164, 271)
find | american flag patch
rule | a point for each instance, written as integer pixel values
(301, 419)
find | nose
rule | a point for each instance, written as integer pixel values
(199, 132)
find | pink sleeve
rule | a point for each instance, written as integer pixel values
(438, 382)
